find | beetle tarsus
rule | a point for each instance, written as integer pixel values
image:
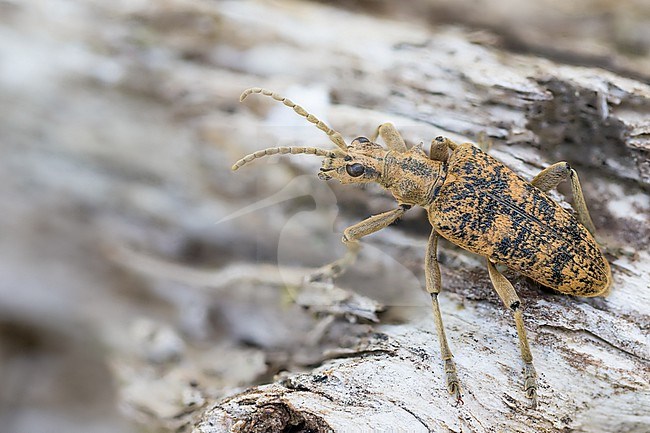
(530, 384)
(453, 385)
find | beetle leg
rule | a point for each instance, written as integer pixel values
(550, 177)
(391, 137)
(509, 297)
(439, 151)
(351, 237)
(440, 147)
(484, 142)
(434, 285)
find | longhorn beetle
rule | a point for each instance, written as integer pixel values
(475, 202)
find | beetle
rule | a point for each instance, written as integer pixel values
(475, 202)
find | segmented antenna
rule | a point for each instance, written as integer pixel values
(282, 150)
(335, 136)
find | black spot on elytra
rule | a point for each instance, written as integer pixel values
(504, 247)
(560, 259)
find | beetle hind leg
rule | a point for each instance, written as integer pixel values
(509, 297)
(434, 285)
(550, 177)
(530, 375)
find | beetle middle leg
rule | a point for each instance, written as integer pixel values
(550, 178)
(434, 285)
(351, 237)
(509, 297)
(440, 148)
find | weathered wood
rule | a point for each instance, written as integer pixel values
(134, 165)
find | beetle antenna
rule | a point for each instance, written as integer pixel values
(335, 136)
(282, 150)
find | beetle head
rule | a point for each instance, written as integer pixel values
(363, 162)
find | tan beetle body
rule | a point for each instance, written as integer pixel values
(487, 209)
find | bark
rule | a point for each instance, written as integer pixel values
(129, 175)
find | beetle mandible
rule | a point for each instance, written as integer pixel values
(475, 202)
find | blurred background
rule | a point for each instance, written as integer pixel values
(137, 272)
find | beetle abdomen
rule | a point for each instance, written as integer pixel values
(485, 208)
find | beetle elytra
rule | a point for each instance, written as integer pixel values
(475, 202)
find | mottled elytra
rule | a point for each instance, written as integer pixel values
(475, 202)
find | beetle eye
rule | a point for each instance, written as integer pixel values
(355, 170)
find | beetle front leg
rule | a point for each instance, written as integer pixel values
(550, 178)
(351, 237)
(434, 285)
(509, 297)
(391, 137)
